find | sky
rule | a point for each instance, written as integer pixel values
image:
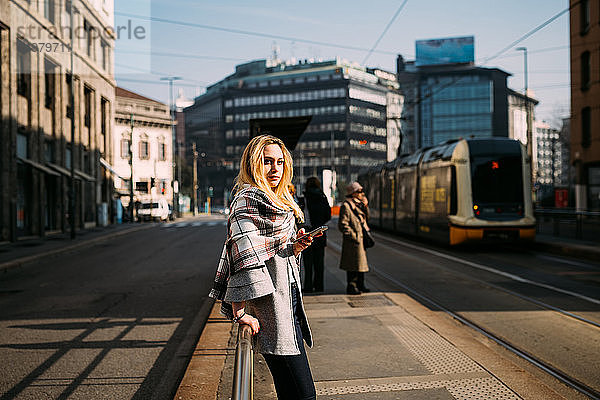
(202, 41)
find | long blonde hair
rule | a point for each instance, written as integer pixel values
(252, 172)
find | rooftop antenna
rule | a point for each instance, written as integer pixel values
(275, 50)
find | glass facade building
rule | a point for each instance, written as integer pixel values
(453, 101)
(347, 105)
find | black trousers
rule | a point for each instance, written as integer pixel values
(291, 374)
(356, 279)
(314, 265)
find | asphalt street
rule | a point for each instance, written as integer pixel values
(117, 320)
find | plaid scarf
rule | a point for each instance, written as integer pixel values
(256, 231)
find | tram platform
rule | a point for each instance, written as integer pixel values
(378, 345)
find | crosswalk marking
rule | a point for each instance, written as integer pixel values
(187, 224)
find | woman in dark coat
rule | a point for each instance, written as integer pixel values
(353, 216)
(316, 213)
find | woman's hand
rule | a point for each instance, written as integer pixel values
(302, 242)
(247, 319)
(251, 322)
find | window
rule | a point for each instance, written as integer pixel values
(67, 15)
(89, 33)
(125, 149)
(585, 70)
(585, 16)
(68, 156)
(22, 146)
(49, 10)
(586, 127)
(49, 151)
(69, 108)
(49, 83)
(162, 151)
(23, 68)
(105, 53)
(103, 115)
(87, 98)
(144, 149)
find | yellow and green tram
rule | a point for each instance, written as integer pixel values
(460, 191)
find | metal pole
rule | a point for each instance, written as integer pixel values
(243, 374)
(528, 111)
(195, 179)
(332, 168)
(72, 100)
(131, 169)
(174, 144)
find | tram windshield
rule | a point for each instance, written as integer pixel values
(497, 179)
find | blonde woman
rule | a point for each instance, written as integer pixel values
(258, 276)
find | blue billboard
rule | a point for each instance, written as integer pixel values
(445, 51)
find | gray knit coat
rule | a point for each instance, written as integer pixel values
(266, 291)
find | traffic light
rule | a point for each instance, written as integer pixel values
(151, 182)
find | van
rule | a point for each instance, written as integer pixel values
(153, 210)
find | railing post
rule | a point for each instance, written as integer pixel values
(243, 375)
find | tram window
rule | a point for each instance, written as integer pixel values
(497, 179)
(453, 192)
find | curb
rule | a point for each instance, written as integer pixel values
(24, 260)
(203, 374)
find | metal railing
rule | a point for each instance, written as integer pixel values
(243, 374)
(568, 223)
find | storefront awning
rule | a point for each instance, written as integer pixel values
(38, 166)
(109, 167)
(60, 169)
(85, 176)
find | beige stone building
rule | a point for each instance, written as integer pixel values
(37, 114)
(152, 144)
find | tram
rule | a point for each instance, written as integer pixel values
(464, 190)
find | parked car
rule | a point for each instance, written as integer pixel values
(154, 210)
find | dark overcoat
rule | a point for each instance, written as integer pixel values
(354, 255)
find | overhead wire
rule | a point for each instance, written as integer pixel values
(248, 33)
(384, 31)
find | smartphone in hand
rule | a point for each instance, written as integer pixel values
(314, 232)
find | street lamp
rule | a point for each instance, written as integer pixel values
(527, 108)
(174, 133)
(72, 101)
(524, 50)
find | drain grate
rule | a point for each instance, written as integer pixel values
(371, 301)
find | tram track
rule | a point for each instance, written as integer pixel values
(553, 371)
(507, 275)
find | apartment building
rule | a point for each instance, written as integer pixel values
(38, 151)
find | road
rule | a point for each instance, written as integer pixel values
(119, 320)
(114, 321)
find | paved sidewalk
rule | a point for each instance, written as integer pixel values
(381, 345)
(568, 247)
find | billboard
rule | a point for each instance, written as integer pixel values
(445, 51)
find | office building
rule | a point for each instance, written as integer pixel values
(353, 115)
(448, 97)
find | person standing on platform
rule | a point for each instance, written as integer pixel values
(316, 213)
(354, 214)
(258, 277)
